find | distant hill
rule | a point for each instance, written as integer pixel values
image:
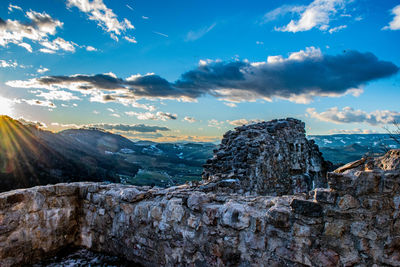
(30, 156)
(344, 148)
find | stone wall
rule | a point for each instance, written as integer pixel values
(38, 221)
(355, 222)
(268, 158)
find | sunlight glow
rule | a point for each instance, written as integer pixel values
(6, 106)
(19, 146)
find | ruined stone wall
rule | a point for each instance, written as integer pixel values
(355, 222)
(36, 222)
(268, 158)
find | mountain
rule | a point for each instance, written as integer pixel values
(31, 156)
(344, 148)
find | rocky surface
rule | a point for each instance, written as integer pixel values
(267, 158)
(354, 223)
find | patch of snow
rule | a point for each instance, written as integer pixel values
(126, 151)
(231, 180)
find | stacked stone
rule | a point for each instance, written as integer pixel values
(37, 222)
(267, 158)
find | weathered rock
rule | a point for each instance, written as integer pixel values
(324, 195)
(268, 158)
(306, 208)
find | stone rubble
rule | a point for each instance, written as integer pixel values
(354, 222)
(268, 158)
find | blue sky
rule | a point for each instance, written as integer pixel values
(191, 70)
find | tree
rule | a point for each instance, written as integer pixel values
(395, 133)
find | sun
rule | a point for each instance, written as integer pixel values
(6, 106)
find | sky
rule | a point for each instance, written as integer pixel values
(191, 70)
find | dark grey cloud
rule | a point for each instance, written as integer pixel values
(99, 81)
(300, 77)
(168, 115)
(141, 128)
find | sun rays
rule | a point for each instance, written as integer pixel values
(18, 145)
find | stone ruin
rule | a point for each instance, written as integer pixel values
(353, 222)
(268, 158)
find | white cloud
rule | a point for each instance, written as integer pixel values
(395, 23)
(57, 95)
(47, 51)
(8, 64)
(130, 39)
(317, 14)
(36, 102)
(37, 124)
(26, 46)
(90, 48)
(195, 35)
(281, 11)
(338, 28)
(215, 123)
(40, 27)
(241, 122)
(115, 115)
(42, 70)
(11, 8)
(163, 116)
(190, 119)
(100, 97)
(104, 16)
(66, 125)
(59, 44)
(144, 17)
(230, 104)
(350, 115)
